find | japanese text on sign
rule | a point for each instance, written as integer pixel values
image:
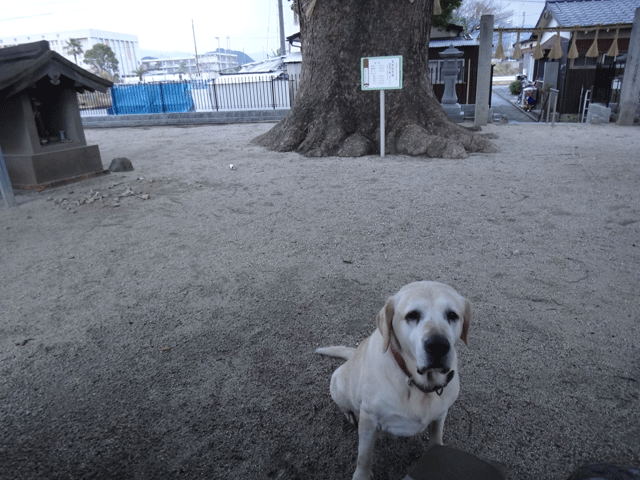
(381, 73)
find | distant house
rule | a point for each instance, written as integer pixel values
(602, 74)
(293, 63)
(208, 65)
(271, 83)
(285, 66)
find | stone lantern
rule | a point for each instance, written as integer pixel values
(449, 72)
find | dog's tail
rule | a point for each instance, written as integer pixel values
(339, 352)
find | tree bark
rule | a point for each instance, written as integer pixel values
(331, 115)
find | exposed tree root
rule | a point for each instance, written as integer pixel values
(327, 136)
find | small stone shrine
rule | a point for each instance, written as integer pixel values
(41, 132)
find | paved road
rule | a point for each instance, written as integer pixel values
(504, 103)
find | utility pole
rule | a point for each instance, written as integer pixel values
(283, 48)
(195, 47)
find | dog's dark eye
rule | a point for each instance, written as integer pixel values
(452, 316)
(412, 316)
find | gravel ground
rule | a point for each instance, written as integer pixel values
(161, 323)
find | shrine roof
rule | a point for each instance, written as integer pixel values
(23, 65)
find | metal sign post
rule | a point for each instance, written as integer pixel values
(382, 131)
(381, 73)
(5, 184)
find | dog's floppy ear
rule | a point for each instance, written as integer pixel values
(466, 320)
(384, 319)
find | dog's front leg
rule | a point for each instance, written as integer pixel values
(367, 432)
(435, 430)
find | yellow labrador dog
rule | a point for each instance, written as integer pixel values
(402, 379)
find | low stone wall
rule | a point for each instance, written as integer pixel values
(189, 118)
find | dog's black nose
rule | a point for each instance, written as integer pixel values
(437, 348)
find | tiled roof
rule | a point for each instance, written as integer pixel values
(455, 41)
(570, 13)
(266, 66)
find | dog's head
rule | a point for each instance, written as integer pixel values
(426, 319)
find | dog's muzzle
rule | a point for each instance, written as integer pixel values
(435, 388)
(436, 349)
(438, 388)
(430, 369)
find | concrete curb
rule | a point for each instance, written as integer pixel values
(188, 118)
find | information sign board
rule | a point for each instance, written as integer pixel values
(381, 73)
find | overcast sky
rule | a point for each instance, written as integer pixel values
(251, 25)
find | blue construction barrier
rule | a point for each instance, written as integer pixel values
(154, 98)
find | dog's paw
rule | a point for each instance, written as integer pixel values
(361, 474)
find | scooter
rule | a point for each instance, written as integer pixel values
(528, 97)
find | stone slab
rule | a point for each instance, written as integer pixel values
(29, 171)
(598, 113)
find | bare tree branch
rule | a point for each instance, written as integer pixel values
(471, 11)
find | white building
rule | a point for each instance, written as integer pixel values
(208, 66)
(123, 45)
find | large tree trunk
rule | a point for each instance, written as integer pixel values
(331, 115)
